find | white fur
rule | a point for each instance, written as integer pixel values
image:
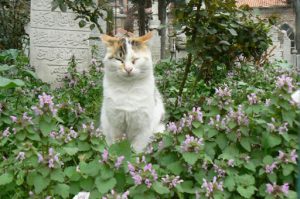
(132, 105)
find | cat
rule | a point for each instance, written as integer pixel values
(132, 105)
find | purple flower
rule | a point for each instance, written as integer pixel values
(270, 188)
(283, 129)
(125, 195)
(198, 113)
(223, 92)
(13, 118)
(36, 110)
(285, 188)
(26, 118)
(148, 167)
(171, 181)
(230, 163)
(270, 168)
(51, 151)
(148, 183)
(191, 144)
(137, 178)
(45, 99)
(221, 172)
(285, 81)
(105, 155)
(274, 189)
(294, 156)
(130, 167)
(172, 127)
(210, 187)
(252, 98)
(51, 163)
(53, 134)
(6, 132)
(21, 156)
(40, 158)
(119, 161)
(267, 102)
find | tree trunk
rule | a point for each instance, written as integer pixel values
(162, 13)
(142, 17)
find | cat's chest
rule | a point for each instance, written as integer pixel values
(129, 98)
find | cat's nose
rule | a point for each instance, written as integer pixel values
(128, 69)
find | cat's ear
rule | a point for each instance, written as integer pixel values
(108, 40)
(145, 38)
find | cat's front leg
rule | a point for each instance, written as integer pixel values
(140, 141)
(113, 129)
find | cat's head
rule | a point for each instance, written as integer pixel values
(128, 57)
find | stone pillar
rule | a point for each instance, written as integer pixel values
(54, 38)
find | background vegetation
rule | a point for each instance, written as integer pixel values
(231, 126)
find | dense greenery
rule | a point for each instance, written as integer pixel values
(14, 15)
(218, 35)
(240, 142)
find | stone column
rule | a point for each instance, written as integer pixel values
(54, 38)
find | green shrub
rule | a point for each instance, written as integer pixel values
(240, 143)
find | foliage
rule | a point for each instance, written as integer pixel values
(241, 143)
(217, 28)
(88, 11)
(14, 15)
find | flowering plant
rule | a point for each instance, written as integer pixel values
(241, 143)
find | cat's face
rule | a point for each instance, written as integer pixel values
(127, 58)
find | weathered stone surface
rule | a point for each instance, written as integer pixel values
(54, 38)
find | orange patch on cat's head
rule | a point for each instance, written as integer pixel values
(138, 43)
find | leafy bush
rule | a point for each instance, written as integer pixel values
(14, 16)
(218, 35)
(241, 143)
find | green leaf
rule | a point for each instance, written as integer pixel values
(250, 166)
(212, 132)
(159, 188)
(82, 23)
(288, 169)
(84, 146)
(91, 168)
(229, 183)
(245, 180)
(273, 140)
(6, 178)
(70, 150)
(5, 67)
(62, 190)
(246, 192)
(268, 159)
(40, 183)
(190, 158)
(10, 83)
(221, 140)
(104, 186)
(175, 167)
(233, 32)
(121, 148)
(46, 127)
(87, 184)
(57, 175)
(186, 187)
(245, 142)
(106, 172)
(71, 173)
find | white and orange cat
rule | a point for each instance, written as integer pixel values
(132, 105)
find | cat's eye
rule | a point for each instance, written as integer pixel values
(119, 59)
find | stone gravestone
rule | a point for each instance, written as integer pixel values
(54, 38)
